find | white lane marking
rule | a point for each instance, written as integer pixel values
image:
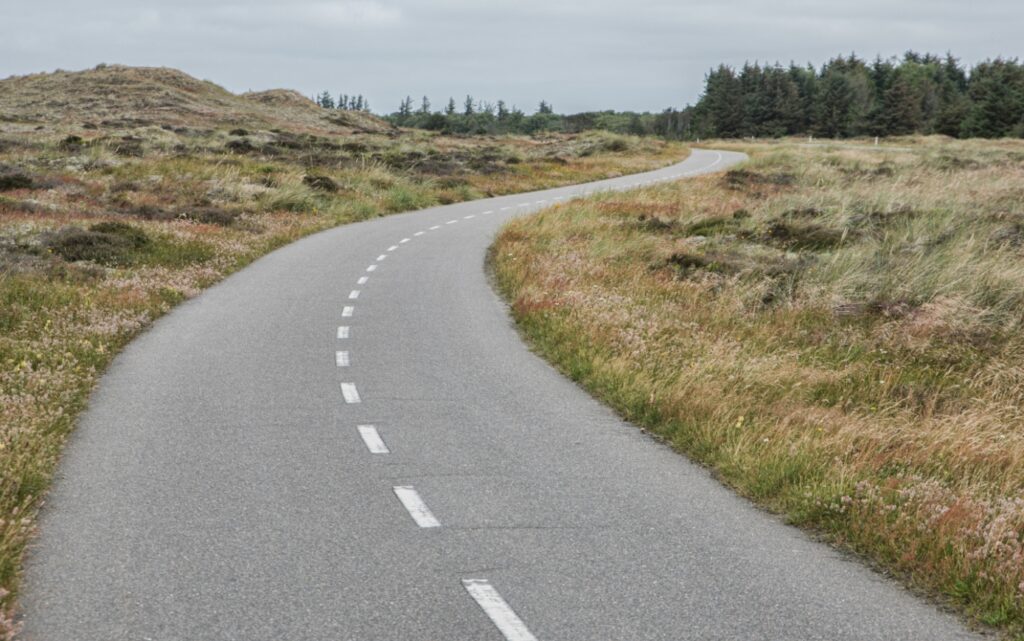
(341, 359)
(523, 205)
(419, 233)
(451, 222)
(558, 198)
(343, 332)
(510, 625)
(435, 227)
(417, 509)
(469, 216)
(381, 257)
(540, 202)
(392, 248)
(404, 241)
(505, 208)
(354, 294)
(348, 390)
(373, 441)
(371, 268)
(362, 280)
(489, 211)
(348, 311)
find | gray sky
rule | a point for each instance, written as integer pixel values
(637, 54)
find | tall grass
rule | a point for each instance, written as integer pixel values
(835, 330)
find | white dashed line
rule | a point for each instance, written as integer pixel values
(347, 312)
(348, 390)
(523, 205)
(392, 248)
(343, 332)
(435, 227)
(451, 222)
(419, 233)
(540, 202)
(510, 625)
(417, 509)
(373, 441)
(381, 257)
(341, 359)
(505, 208)
(371, 268)
(404, 241)
(469, 216)
(354, 294)
(362, 280)
(489, 211)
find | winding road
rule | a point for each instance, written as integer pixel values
(348, 441)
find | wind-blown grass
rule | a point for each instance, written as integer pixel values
(836, 331)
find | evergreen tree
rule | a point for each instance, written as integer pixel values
(425, 106)
(468, 107)
(450, 108)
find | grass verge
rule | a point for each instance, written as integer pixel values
(836, 331)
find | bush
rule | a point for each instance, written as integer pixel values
(15, 181)
(74, 244)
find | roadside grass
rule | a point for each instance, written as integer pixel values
(104, 229)
(835, 331)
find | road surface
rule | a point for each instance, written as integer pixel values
(348, 441)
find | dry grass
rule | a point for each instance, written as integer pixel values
(835, 330)
(114, 210)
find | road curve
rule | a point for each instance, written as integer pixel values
(348, 441)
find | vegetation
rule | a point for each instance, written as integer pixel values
(850, 97)
(117, 205)
(836, 331)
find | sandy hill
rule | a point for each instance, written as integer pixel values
(119, 96)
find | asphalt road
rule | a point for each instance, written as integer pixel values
(221, 486)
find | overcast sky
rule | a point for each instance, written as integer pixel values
(598, 54)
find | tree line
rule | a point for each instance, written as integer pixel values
(849, 96)
(846, 97)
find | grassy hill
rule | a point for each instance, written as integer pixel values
(115, 96)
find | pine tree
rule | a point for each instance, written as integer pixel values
(468, 106)
(449, 110)
(425, 106)
(545, 108)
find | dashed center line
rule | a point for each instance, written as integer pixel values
(362, 280)
(417, 509)
(392, 248)
(371, 268)
(404, 240)
(451, 222)
(343, 332)
(347, 312)
(469, 216)
(381, 257)
(373, 441)
(435, 227)
(419, 233)
(503, 617)
(354, 294)
(341, 359)
(505, 208)
(489, 211)
(348, 390)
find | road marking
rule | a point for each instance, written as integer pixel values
(404, 240)
(341, 359)
(381, 257)
(347, 312)
(419, 233)
(505, 208)
(417, 509)
(558, 198)
(489, 211)
(354, 294)
(372, 268)
(343, 332)
(524, 205)
(392, 248)
(469, 216)
(373, 441)
(348, 390)
(362, 280)
(451, 222)
(540, 202)
(510, 625)
(435, 227)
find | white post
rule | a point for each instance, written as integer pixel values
(876, 141)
